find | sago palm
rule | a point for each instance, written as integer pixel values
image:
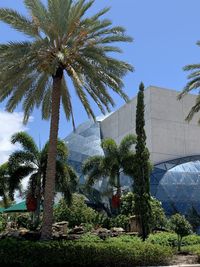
(116, 159)
(31, 161)
(63, 42)
(193, 84)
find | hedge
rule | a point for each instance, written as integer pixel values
(170, 239)
(81, 253)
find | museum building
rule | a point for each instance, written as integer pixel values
(173, 143)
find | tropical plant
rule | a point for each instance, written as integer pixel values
(142, 169)
(63, 42)
(116, 159)
(30, 161)
(4, 177)
(181, 227)
(192, 84)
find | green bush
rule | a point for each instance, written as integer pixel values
(170, 239)
(120, 221)
(191, 240)
(192, 249)
(23, 220)
(2, 222)
(163, 239)
(134, 240)
(158, 220)
(75, 214)
(127, 204)
(80, 253)
(88, 237)
(101, 220)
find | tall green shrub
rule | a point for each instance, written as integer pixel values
(141, 170)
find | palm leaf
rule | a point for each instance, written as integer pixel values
(18, 22)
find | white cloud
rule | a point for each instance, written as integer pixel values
(10, 123)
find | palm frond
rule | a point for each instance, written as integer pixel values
(194, 109)
(26, 141)
(20, 157)
(127, 142)
(46, 103)
(18, 22)
(16, 176)
(39, 14)
(66, 101)
(93, 169)
(109, 147)
(191, 85)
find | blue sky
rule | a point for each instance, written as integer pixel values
(165, 34)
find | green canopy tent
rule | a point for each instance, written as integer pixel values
(19, 207)
(2, 210)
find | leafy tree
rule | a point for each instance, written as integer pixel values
(141, 169)
(116, 159)
(30, 161)
(63, 42)
(181, 227)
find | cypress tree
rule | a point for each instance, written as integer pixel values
(142, 169)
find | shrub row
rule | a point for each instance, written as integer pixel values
(82, 253)
(170, 239)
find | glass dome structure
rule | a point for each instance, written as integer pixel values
(176, 183)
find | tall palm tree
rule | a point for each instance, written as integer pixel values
(30, 161)
(63, 42)
(116, 159)
(193, 84)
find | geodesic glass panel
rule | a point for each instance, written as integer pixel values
(178, 187)
(83, 143)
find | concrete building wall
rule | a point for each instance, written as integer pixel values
(169, 136)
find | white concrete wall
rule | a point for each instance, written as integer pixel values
(169, 136)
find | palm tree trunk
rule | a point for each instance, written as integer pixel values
(49, 190)
(118, 191)
(38, 194)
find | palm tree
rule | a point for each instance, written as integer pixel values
(116, 159)
(4, 176)
(193, 83)
(30, 161)
(63, 42)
